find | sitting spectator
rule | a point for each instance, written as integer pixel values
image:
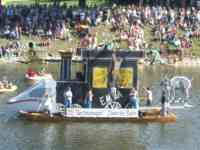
(92, 39)
(5, 82)
(124, 36)
(1, 85)
(42, 71)
(84, 42)
(10, 84)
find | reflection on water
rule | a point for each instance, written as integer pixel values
(183, 135)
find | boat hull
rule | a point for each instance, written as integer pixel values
(26, 105)
(148, 118)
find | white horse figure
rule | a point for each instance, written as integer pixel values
(182, 83)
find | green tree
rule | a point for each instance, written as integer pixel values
(82, 3)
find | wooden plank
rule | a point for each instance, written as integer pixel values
(153, 118)
(170, 107)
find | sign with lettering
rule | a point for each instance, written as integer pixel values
(102, 113)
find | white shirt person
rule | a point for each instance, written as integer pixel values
(68, 97)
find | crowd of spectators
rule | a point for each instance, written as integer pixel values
(63, 22)
(10, 49)
(165, 23)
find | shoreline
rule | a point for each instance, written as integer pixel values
(186, 62)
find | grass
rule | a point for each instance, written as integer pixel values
(194, 50)
(103, 35)
(148, 37)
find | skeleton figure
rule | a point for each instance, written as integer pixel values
(116, 64)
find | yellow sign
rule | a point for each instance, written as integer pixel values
(125, 78)
(100, 77)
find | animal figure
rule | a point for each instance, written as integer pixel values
(183, 83)
(171, 86)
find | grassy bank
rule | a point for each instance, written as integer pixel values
(103, 35)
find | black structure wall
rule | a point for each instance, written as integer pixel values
(94, 58)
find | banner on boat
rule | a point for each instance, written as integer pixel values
(102, 113)
(100, 77)
(125, 79)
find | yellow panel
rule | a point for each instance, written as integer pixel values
(125, 78)
(100, 77)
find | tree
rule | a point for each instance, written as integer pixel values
(82, 3)
(183, 3)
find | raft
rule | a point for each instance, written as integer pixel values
(149, 117)
(12, 89)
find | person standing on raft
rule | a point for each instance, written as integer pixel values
(47, 104)
(133, 99)
(50, 105)
(164, 111)
(88, 99)
(68, 98)
(148, 96)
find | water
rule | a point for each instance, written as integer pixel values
(17, 134)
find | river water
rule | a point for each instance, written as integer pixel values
(17, 134)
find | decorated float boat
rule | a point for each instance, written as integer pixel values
(96, 69)
(148, 117)
(10, 89)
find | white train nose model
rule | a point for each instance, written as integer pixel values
(34, 98)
